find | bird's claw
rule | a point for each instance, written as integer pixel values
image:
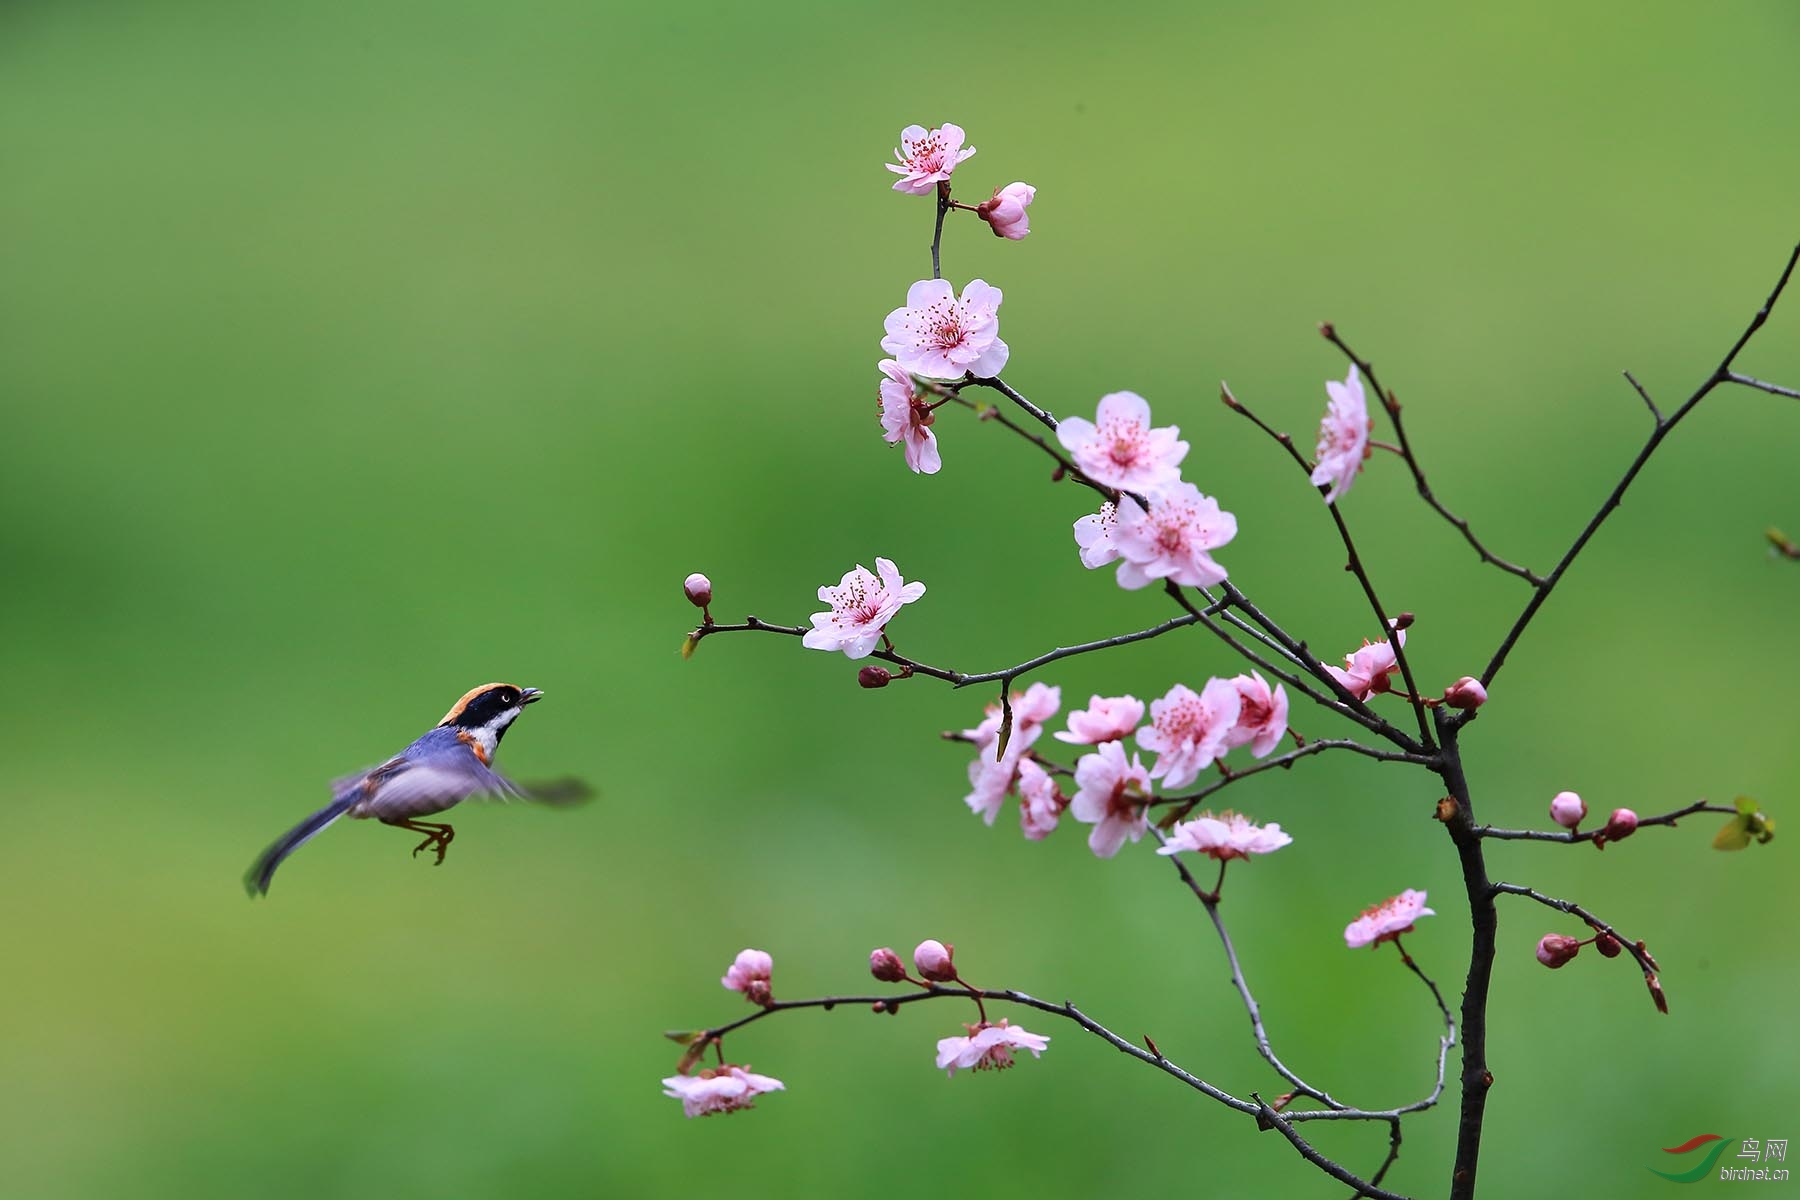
(438, 840)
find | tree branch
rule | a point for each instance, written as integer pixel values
(1392, 406)
(1636, 949)
(1001, 386)
(1655, 412)
(1563, 835)
(1266, 1117)
(1354, 565)
(1762, 385)
(962, 679)
(1189, 801)
(1721, 374)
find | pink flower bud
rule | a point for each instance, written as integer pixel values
(698, 588)
(1005, 210)
(1554, 949)
(1465, 693)
(886, 966)
(1608, 945)
(932, 960)
(1567, 810)
(874, 677)
(1622, 823)
(749, 974)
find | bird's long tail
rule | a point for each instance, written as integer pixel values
(256, 880)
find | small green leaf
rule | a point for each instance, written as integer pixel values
(1735, 835)
(687, 646)
(683, 1037)
(1745, 806)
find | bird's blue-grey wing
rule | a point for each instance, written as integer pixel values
(415, 787)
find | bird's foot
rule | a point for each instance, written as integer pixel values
(437, 837)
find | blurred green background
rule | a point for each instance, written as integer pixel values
(354, 354)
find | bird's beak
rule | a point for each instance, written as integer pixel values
(527, 695)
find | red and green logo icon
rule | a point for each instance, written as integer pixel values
(1712, 1146)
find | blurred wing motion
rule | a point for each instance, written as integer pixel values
(558, 793)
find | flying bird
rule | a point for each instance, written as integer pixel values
(447, 765)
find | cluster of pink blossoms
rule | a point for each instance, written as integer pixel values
(938, 335)
(1169, 536)
(1188, 732)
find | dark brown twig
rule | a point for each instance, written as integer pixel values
(1664, 426)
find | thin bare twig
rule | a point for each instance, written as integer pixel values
(1664, 426)
(1001, 386)
(1762, 385)
(1655, 412)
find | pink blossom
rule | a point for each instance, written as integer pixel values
(932, 959)
(749, 974)
(1365, 671)
(1262, 715)
(989, 1047)
(940, 336)
(1343, 436)
(1040, 803)
(861, 607)
(1094, 537)
(1188, 729)
(719, 1090)
(1031, 708)
(992, 778)
(1120, 449)
(1005, 211)
(1105, 719)
(1567, 809)
(1226, 836)
(1387, 920)
(927, 156)
(1111, 797)
(905, 416)
(1172, 539)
